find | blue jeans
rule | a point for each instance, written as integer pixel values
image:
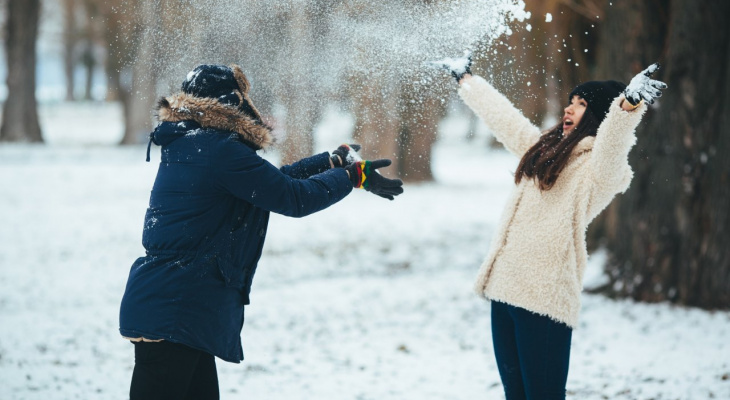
(532, 352)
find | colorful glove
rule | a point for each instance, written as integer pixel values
(345, 155)
(363, 174)
(457, 66)
(642, 87)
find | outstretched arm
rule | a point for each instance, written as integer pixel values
(609, 166)
(309, 166)
(509, 126)
(507, 123)
(245, 175)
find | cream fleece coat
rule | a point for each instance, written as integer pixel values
(538, 252)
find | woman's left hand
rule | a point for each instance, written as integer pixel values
(642, 87)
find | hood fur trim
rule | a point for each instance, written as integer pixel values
(245, 86)
(209, 113)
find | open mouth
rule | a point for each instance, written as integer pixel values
(567, 124)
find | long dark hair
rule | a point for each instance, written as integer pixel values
(547, 158)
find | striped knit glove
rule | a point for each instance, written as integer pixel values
(363, 174)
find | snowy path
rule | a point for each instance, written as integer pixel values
(381, 310)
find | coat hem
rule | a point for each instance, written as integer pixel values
(129, 333)
(542, 314)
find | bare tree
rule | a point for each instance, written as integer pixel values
(20, 111)
(298, 89)
(70, 38)
(143, 93)
(377, 121)
(421, 111)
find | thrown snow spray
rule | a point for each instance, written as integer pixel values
(322, 40)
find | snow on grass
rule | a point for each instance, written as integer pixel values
(380, 308)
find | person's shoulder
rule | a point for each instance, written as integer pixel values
(227, 145)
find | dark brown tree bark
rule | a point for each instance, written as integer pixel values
(20, 111)
(670, 239)
(632, 36)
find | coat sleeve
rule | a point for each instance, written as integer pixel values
(244, 174)
(307, 167)
(608, 170)
(508, 125)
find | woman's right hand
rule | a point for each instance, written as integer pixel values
(459, 67)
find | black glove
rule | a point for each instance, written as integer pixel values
(342, 156)
(363, 174)
(642, 87)
(457, 66)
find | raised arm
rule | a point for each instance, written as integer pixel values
(507, 123)
(610, 171)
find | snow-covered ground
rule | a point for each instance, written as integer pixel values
(369, 299)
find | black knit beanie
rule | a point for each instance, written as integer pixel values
(599, 95)
(213, 81)
(228, 85)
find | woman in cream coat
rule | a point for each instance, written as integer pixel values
(533, 273)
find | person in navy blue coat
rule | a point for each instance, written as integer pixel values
(205, 227)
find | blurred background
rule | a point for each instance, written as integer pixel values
(667, 237)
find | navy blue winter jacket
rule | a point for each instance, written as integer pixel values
(204, 231)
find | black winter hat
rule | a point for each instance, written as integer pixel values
(228, 85)
(599, 95)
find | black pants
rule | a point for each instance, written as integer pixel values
(165, 370)
(532, 351)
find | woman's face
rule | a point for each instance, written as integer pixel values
(573, 114)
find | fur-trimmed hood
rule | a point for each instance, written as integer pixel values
(209, 113)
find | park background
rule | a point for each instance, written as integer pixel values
(368, 299)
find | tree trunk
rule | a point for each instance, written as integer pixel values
(117, 38)
(632, 36)
(20, 111)
(299, 95)
(89, 62)
(138, 108)
(69, 46)
(418, 130)
(377, 121)
(671, 240)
